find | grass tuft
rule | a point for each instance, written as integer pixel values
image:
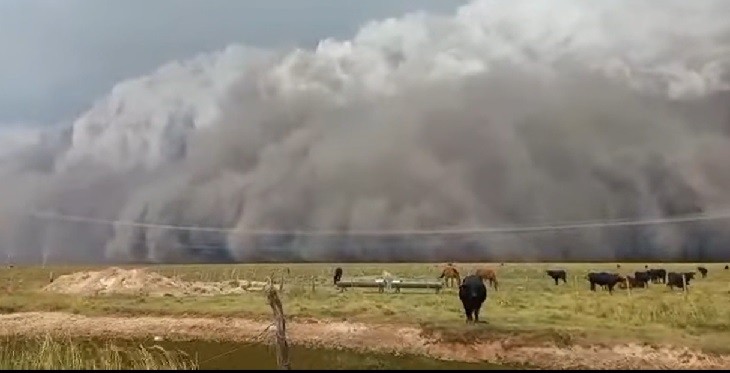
(50, 353)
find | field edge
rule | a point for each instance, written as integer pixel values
(514, 349)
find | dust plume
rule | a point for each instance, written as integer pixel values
(503, 113)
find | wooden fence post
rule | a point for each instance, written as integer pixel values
(282, 348)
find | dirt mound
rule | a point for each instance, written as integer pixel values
(142, 282)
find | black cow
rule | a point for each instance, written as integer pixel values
(338, 275)
(727, 266)
(604, 279)
(644, 277)
(633, 283)
(703, 271)
(658, 275)
(472, 293)
(675, 279)
(557, 274)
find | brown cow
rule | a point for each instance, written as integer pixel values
(488, 274)
(451, 274)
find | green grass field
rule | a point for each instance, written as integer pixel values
(527, 302)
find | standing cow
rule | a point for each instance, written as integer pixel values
(338, 275)
(609, 280)
(632, 282)
(488, 274)
(644, 277)
(658, 275)
(703, 271)
(472, 294)
(557, 274)
(451, 274)
(674, 279)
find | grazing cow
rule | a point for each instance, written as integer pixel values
(451, 274)
(489, 275)
(557, 274)
(604, 279)
(472, 294)
(674, 279)
(618, 266)
(727, 266)
(644, 277)
(338, 275)
(658, 275)
(703, 271)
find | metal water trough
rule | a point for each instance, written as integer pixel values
(400, 284)
(379, 283)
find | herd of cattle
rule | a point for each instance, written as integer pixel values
(473, 291)
(641, 279)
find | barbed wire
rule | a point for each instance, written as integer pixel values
(722, 215)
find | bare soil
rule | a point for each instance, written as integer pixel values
(140, 281)
(366, 337)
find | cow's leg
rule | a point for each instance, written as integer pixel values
(556, 281)
(593, 286)
(476, 314)
(467, 311)
(610, 288)
(564, 280)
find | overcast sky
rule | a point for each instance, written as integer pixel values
(59, 55)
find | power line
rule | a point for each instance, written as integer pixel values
(446, 231)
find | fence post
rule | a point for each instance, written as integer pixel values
(282, 348)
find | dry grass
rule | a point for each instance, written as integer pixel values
(53, 354)
(527, 302)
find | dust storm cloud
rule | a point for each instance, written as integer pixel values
(503, 113)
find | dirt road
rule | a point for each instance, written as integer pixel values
(362, 337)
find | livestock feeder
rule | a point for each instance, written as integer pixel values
(405, 284)
(380, 284)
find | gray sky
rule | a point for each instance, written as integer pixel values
(60, 55)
